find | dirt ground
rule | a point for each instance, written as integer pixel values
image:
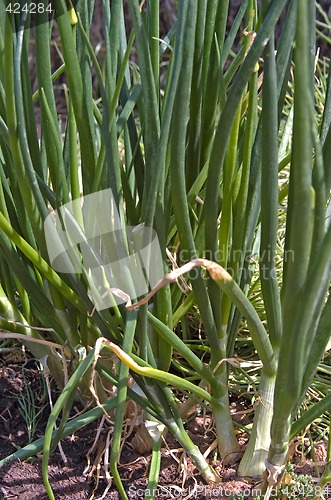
(74, 480)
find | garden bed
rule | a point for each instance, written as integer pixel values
(178, 479)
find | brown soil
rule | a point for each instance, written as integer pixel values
(178, 478)
(23, 479)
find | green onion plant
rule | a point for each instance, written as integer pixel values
(212, 137)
